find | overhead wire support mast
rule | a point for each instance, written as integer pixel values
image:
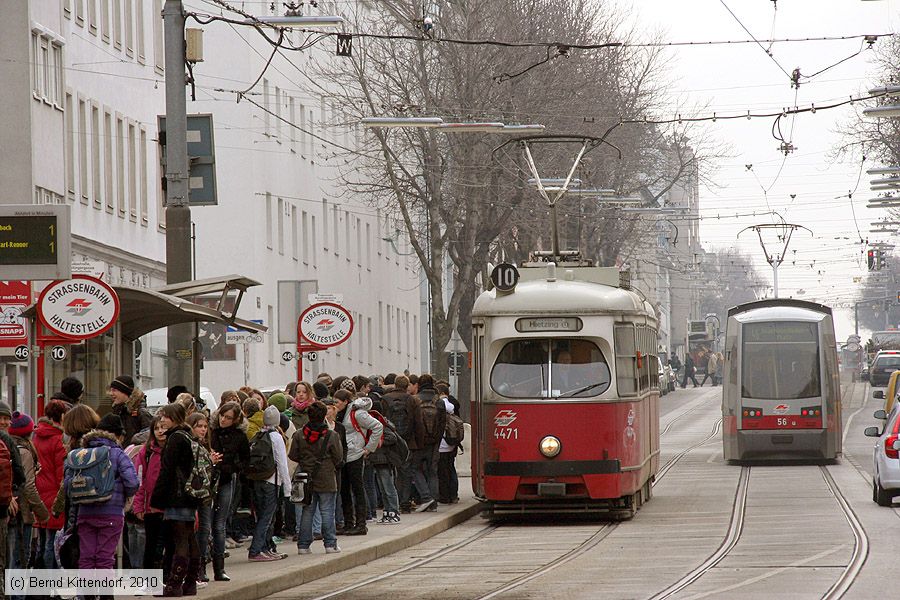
(775, 260)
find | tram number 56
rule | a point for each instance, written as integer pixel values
(506, 433)
(781, 421)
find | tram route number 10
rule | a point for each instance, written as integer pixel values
(505, 277)
(506, 433)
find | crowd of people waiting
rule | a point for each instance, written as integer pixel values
(182, 488)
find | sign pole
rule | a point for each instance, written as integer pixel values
(454, 376)
(39, 359)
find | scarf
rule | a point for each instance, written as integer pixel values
(299, 406)
(312, 433)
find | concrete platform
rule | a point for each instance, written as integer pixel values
(250, 581)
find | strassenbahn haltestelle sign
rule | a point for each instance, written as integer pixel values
(325, 324)
(82, 307)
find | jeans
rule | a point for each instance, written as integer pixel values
(19, 543)
(154, 545)
(448, 482)
(384, 475)
(323, 505)
(371, 490)
(45, 547)
(204, 514)
(353, 494)
(265, 499)
(98, 538)
(424, 464)
(137, 543)
(221, 514)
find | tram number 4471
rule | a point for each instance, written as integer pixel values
(506, 433)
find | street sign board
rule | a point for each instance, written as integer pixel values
(325, 324)
(22, 352)
(15, 296)
(287, 356)
(78, 308)
(35, 242)
(201, 149)
(505, 276)
(312, 356)
(319, 297)
(456, 360)
(236, 335)
(58, 353)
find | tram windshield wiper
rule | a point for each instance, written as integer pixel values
(590, 386)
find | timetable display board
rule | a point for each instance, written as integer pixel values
(35, 242)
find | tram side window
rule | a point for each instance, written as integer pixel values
(780, 361)
(626, 360)
(550, 369)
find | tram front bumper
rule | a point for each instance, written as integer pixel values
(785, 444)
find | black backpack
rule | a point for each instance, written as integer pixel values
(431, 420)
(261, 464)
(398, 414)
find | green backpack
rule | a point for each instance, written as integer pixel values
(199, 482)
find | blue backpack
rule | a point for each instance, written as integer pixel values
(93, 477)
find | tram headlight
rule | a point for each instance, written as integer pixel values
(550, 446)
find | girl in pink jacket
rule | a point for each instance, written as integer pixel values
(147, 464)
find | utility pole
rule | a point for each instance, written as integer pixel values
(178, 212)
(784, 230)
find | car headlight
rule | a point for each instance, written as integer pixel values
(550, 446)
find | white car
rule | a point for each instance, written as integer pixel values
(886, 457)
(156, 398)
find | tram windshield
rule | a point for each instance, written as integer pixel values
(780, 360)
(550, 368)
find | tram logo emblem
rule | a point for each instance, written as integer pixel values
(78, 306)
(782, 409)
(325, 324)
(630, 418)
(504, 418)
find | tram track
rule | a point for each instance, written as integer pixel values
(736, 526)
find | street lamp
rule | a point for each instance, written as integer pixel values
(391, 122)
(288, 21)
(886, 110)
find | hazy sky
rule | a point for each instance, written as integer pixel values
(737, 78)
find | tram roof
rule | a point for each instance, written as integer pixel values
(561, 296)
(780, 309)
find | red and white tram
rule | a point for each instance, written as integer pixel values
(565, 415)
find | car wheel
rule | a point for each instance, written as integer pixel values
(882, 496)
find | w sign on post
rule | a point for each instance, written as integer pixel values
(344, 44)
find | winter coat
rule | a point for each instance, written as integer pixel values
(356, 442)
(233, 445)
(430, 395)
(48, 442)
(30, 505)
(175, 468)
(305, 455)
(18, 472)
(126, 477)
(451, 410)
(134, 415)
(298, 417)
(402, 410)
(148, 463)
(254, 424)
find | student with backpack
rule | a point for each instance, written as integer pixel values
(363, 436)
(434, 422)
(148, 462)
(179, 507)
(199, 425)
(51, 453)
(454, 432)
(402, 409)
(390, 456)
(99, 480)
(267, 469)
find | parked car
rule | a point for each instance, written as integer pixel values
(663, 380)
(672, 377)
(890, 393)
(886, 457)
(885, 363)
(156, 398)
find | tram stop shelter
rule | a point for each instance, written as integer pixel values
(98, 360)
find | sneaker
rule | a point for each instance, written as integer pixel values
(275, 554)
(304, 551)
(334, 550)
(242, 511)
(389, 518)
(262, 557)
(277, 539)
(430, 506)
(201, 585)
(361, 530)
(231, 544)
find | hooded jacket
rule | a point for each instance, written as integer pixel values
(232, 443)
(30, 503)
(306, 455)
(356, 442)
(254, 424)
(403, 411)
(148, 463)
(134, 414)
(126, 477)
(48, 442)
(175, 468)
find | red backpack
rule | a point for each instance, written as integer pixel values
(368, 433)
(6, 475)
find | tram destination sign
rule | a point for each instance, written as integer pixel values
(79, 308)
(548, 324)
(325, 324)
(35, 242)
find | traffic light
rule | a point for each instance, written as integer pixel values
(881, 260)
(870, 259)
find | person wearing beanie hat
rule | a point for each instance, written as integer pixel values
(174, 391)
(51, 455)
(129, 404)
(279, 401)
(72, 389)
(267, 493)
(5, 411)
(31, 507)
(112, 423)
(321, 390)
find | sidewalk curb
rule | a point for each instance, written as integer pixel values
(298, 574)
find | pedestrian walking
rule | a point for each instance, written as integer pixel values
(689, 371)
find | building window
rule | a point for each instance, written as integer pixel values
(268, 220)
(159, 56)
(380, 326)
(96, 160)
(67, 9)
(139, 29)
(280, 226)
(369, 350)
(79, 12)
(83, 150)
(359, 242)
(302, 127)
(294, 234)
(36, 76)
(117, 23)
(336, 230)
(309, 137)
(92, 16)
(292, 115)
(108, 161)
(144, 182)
(369, 246)
(45, 68)
(313, 246)
(120, 165)
(132, 172)
(56, 74)
(70, 148)
(267, 104)
(305, 239)
(347, 239)
(277, 112)
(104, 20)
(324, 226)
(129, 27)
(399, 339)
(271, 337)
